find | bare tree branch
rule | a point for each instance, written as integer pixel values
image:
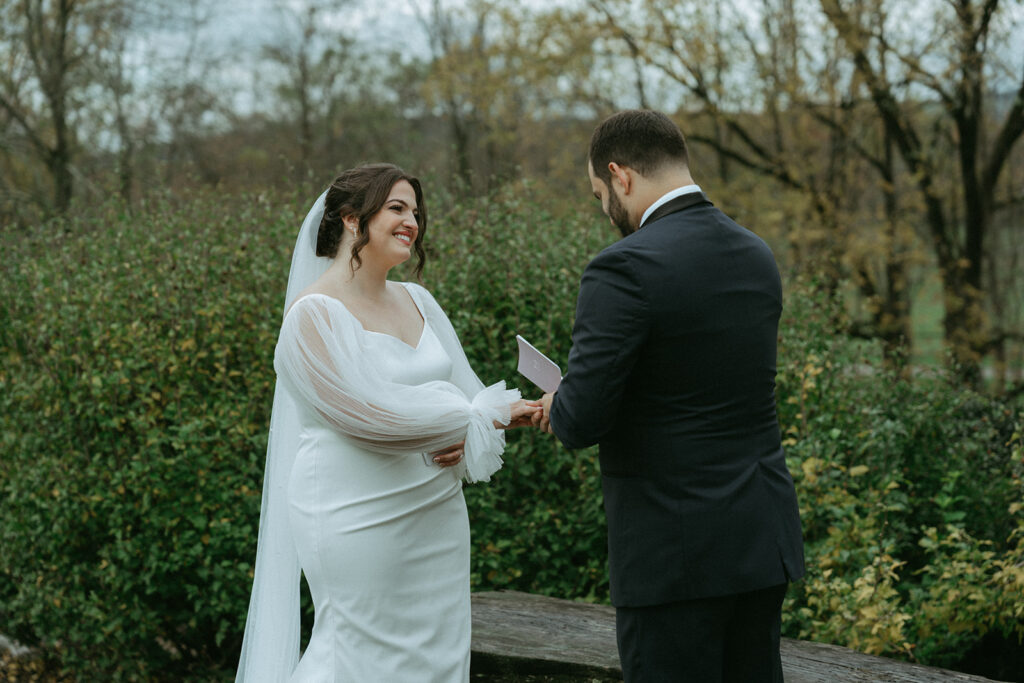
(913, 64)
(875, 161)
(1010, 202)
(634, 48)
(1009, 134)
(16, 114)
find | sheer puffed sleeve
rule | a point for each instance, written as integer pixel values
(321, 362)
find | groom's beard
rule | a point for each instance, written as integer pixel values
(617, 212)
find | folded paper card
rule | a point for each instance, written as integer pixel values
(537, 367)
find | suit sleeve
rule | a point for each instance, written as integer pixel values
(611, 327)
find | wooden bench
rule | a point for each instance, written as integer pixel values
(520, 635)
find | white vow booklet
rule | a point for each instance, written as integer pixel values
(537, 367)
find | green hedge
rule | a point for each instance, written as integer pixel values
(136, 387)
(134, 397)
(911, 499)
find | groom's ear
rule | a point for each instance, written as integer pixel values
(622, 174)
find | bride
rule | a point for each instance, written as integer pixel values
(377, 417)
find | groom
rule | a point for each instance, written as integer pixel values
(672, 372)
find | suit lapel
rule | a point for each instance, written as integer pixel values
(677, 204)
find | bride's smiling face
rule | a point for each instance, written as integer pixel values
(392, 230)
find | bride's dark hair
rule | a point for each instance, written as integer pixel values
(361, 192)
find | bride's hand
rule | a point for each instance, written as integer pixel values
(452, 455)
(522, 412)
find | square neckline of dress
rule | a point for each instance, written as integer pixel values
(408, 291)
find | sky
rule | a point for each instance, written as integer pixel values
(235, 32)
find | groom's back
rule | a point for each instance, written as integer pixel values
(694, 473)
(706, 370)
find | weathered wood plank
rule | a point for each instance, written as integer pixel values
(807, 662)
(524, 634)
(532, 634)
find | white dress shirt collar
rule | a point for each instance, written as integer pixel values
(668, 196)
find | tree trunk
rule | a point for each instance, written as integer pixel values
(964, 324)
(460, 139)
(126, 171)
(60, 157)
(897, 335)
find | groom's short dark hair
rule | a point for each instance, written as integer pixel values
(641, 139)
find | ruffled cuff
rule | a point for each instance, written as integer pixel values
(484, 443)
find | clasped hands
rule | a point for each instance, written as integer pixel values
(531, 414)
(523, 413)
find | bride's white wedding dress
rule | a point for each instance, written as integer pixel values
(382, 533)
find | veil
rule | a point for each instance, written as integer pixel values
(270, 647)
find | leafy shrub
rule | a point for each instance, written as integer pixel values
(134, 397)
(135, 389)
(911, 498)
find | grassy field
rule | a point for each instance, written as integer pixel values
(926, 323)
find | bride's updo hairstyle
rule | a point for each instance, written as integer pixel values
(362, 192)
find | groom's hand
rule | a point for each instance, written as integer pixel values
(542, 418)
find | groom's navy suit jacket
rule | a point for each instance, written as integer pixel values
(672, 372)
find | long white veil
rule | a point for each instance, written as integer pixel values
(270, 648)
